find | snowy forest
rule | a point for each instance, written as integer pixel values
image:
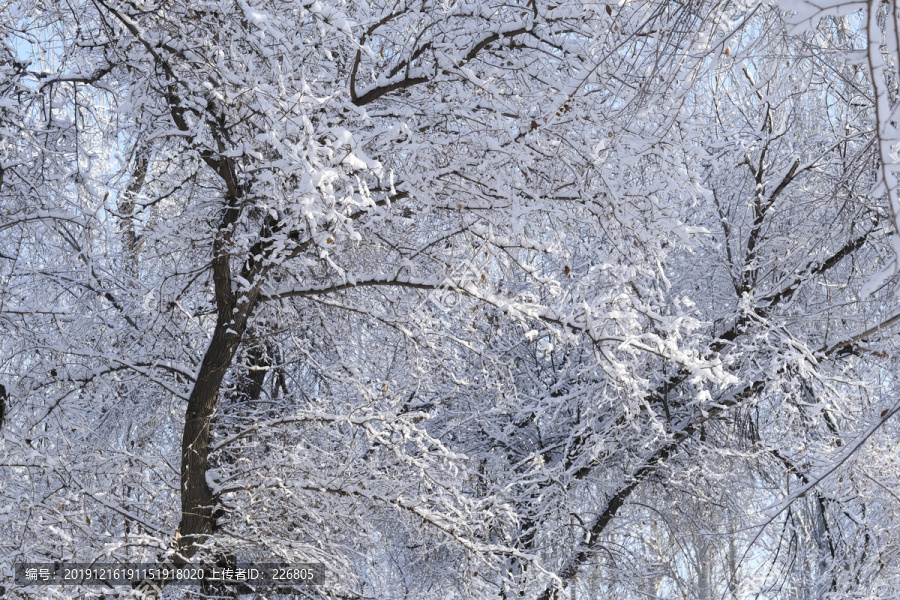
(461, 299)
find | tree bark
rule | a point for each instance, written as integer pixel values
(196, 496)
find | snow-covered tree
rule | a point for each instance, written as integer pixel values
(460, 299)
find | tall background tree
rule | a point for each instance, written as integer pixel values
(480, 300)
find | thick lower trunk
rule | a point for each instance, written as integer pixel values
(197, 502)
